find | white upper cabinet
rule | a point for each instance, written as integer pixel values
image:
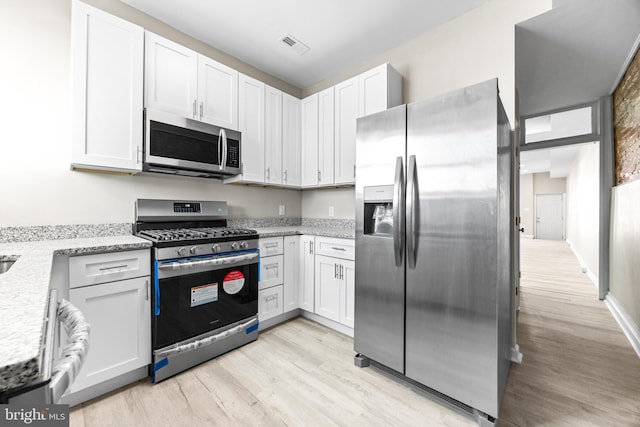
(291, 140)
(217, 93)
(309, 160)
(379, 89)
(107, 55)
(251, 119)
(183, 82)
(326, 120)
(171, 81)
(346, 114)
(273, 136)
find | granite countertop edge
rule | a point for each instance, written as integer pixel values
(24, 291)
(342, 233)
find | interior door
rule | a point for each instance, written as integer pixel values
(549, 217)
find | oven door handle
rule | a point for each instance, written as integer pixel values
(223, 261)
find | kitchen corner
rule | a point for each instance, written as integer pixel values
(24, 288)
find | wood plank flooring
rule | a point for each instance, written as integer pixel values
(578, 370)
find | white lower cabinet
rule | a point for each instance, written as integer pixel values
(306, 273)
(119, 314)
(335, 280)
(269, 302)
(291, 272)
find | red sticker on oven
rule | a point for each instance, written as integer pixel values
(233, 282)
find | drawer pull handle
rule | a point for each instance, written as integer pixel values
(271, 298)
(271, 245)
(114, 267)
(338, 249)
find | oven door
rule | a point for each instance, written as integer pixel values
(193, 296)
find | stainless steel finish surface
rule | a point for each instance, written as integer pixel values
(186, 167)
(156, 210)
(412, 215)
(453, 300)
(379, 301)
(203, 249)
(203, 350)
(6, 265)
(398, 212)
(198, 265)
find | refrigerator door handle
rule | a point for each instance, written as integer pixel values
(411, 212)
(398, 214)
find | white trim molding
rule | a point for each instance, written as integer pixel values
(627, 324)
(583, 265)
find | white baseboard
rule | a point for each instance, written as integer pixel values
(328, 323)
(627, 324)
(585, 268)
(526, 236)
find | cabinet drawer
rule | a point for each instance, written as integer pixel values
(337, 248)
(101, 268)
(271, 271)
(270, 303)
(271, 246)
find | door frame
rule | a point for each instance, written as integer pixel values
(562, 205)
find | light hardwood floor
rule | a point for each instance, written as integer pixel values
(578, 370)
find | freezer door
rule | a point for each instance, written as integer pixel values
(379, 289)
(451, 328)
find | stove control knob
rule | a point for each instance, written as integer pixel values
(180, 251)
(193, 250)
(244, 245)
(235, 246)
(215, 248)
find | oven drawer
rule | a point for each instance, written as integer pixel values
(271, 271)
(337, 248)
(271, 246)
(93, 269)
(270, 303)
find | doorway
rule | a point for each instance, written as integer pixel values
(549, 216)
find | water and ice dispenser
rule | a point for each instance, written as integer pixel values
(378, 210)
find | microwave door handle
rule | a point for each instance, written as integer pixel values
(219, 149)
(223, 164)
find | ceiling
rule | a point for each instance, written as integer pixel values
(339, 33)
(557, 160)
(574, 53)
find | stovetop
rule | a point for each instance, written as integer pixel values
(212, 234)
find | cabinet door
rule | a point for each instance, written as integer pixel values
(373, 91)
(326, 135)
(217, 93)
(309, 160)
(327, 287)
(291, 272)
(307, 275)
(291, 142)
(251, 121)
(347, 292)
(120, 339)
(273, 136)
(346, 114)
(107, 58)
(171, 77)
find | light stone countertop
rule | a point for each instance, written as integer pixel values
(24, 292)
(343, 233)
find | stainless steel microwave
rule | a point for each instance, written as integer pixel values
(182, 146)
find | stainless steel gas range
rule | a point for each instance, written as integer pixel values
(205, 276)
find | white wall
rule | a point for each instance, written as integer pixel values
(526, 204)
(544, 184)
(38, 187)
(583, 207)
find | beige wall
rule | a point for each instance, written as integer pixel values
(316, 203)
(38, 187)
(475, 47)
(583, 207)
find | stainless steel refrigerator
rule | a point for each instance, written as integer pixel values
(434, 217)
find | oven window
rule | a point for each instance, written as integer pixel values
(193, 304)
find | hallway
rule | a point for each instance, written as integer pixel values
(578, 367)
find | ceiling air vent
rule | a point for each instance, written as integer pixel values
(295, 44)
